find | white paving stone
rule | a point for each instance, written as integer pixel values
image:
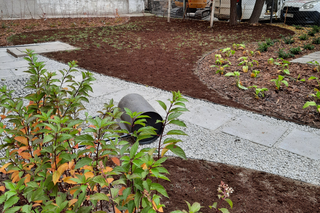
(302, 143)
(260, 132)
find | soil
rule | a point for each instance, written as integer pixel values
(152, 52)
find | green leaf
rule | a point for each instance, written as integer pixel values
(159, 188)
(83, 162)
(134, 149)
(178, 123)
(174, 115)
(163, 105)
(309, 103)
(224, 210)
(84, 138)
(10, 202)
(26, 208)
(285, 83)
(195, 207)
(99, 196)
(171, 140)
(13, 209)
(229, 74)
(47, 138)
(229, 202)
(177, 150)
(176, 132)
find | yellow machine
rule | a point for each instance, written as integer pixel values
(192, 5)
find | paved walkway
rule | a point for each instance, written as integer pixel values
(216, 132)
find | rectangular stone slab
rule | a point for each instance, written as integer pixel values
(302, 143)
(206, 117)
(260, 132)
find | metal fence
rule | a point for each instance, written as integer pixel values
(285, 11)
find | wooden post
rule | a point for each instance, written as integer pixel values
(212, 14)
(184, 6)
(169, 9)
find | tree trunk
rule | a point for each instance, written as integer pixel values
(254, 18)
(233, 12)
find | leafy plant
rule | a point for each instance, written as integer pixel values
(317, 65)
(298, 27)
(279, 81)
(255, 73)
(303, 37)
(246, 63)
(313, 103)
(315, 78)
(283, 54)
(238, 46)
(308, 47)
(224, 193)
(3, 25)
(302, 80)
(284, 66)
(271, 61)
(228, 51)
(223, 63)
(311, 33)
(316, 40)
(194, 208)
(315, 28)
(259, 92)
(55, 166)
(237, 78)
(269, 42)
(295, 50)
(288, 40)
(263, 47)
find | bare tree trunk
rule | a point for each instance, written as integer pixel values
(233, 13)
(254, 18)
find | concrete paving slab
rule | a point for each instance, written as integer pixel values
(20, 71)
(206, 117)
(102, 88)
(36, 49)
(13, 65)
(259, 132)
(302, 143)
(7, 58)
(6, 73)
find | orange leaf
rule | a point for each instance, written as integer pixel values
(116, 161)
(55, 177)
(117, 210)
(37, 152)
(22, 140)
(63, 168)
(65, 88)
(13, 151)
(89, 175)
(37, 204)
(107, 169)
(38, 201)
(15, 176)
(121, 190)
(72, 191)
(25, 155)
(154, 204)
(4, 167)
(92, 126)
(21, 149)
(109, 180)
(144, 166)
(27, 180)
(3, 116)
(23, 130)
(88, 168)
(163, 152)
(73, 201)
(2, 188)
(71, 164)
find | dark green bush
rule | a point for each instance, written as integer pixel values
(316, 40)
(263, 47)
(282, 54)
(288, 40)
(295, 50)
(303, 37)
(308, 47)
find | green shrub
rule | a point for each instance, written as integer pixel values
(311, 33)
(269, 42)
(288, 40)
(308, 47)
(316, 40)
(298, 27)
(283, 54)
(315, 28)
(263, 47)
(47, 170)
(295, 50)
(303, 37)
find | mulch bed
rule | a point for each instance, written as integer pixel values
(152, 52)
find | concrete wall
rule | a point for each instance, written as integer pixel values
(68, 8)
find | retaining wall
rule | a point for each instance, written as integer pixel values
(68, 8)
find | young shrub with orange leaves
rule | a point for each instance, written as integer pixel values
(54, 165)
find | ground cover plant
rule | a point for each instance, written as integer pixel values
(143, 46)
